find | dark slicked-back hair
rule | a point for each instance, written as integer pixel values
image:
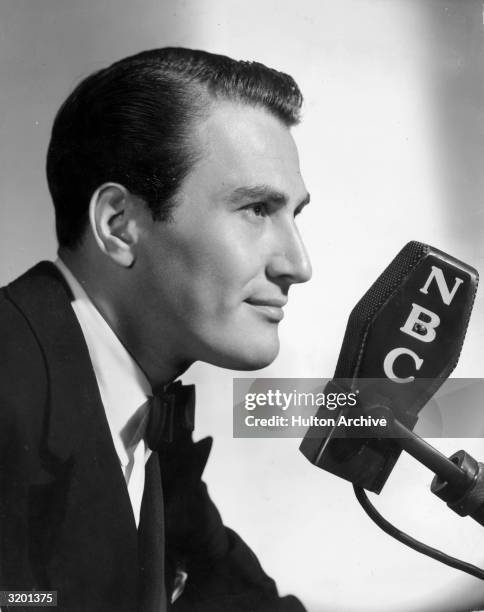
(130, 123)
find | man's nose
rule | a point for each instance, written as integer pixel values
(290, 259)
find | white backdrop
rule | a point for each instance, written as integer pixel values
(391, 150)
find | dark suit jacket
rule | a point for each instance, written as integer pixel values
(66, 521)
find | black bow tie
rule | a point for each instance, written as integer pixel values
(171, 416)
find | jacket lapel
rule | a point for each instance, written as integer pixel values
(92, 546)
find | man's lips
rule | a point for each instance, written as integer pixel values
(269, 307)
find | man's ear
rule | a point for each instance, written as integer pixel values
(113, 220)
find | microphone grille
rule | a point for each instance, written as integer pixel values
(362, 314)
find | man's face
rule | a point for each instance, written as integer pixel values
(217, 276)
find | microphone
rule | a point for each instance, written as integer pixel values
(402, 340)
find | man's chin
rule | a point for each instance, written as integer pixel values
(252, 358)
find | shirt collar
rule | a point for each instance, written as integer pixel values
(123, 386)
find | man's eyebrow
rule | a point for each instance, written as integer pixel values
(263, 192)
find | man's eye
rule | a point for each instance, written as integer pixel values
(258, 210)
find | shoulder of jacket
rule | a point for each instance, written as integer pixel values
(23, 374)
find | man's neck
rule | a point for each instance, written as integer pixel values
(154, 358)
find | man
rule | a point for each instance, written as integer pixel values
(176, 185)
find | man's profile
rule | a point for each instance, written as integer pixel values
(176, 185)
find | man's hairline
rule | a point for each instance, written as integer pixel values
(206, 105)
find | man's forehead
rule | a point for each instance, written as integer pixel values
(231, 125)
(246, 152)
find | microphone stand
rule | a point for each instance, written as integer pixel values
(459, 479)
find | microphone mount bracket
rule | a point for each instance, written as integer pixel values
(470, 500)
(459, 479)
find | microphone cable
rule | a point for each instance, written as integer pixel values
(404, 538)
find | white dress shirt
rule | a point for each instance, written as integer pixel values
(123, 387)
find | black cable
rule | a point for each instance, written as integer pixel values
(420, 547)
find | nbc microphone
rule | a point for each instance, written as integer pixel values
(403, 339)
